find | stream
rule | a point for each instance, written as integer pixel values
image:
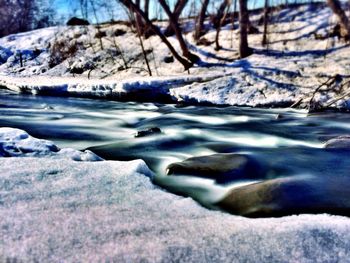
(287, 140)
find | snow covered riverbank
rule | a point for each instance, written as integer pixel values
(300, 56)
(54, 208)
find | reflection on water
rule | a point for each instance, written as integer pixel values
(287, 140)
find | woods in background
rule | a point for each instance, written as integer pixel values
(218, 19)
(24, 15)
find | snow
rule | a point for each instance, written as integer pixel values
(53, 210)
(18, 143)
(288, 69)
(66, 205)
(137, 88)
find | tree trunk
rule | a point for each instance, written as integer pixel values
(219, 20)
(146, 8)
(179, 7)
(244, 49)
(97, 24)
(138, 20)
(266, 17)
(233, 20)
(200, 21)
(147, 31)
(133, 8)
(143, 48)
(176, 27)
(339, 12)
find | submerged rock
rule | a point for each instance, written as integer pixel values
(341, 142)
(223, 168)
(290, 196)
(148, 132)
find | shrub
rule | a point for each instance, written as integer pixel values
(60, 50)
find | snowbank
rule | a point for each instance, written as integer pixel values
(53, 211)
(18, 143)
(150, 88)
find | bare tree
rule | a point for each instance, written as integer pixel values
(179, 7)
(266, 17)
(84, 8)
(146, 7)
(138, 19)
(176, 27)
(335, 5)
(142, 46)
(23, 15)
(219, 19)
(233, 20)
(99, 33)
(244, 49)
(134, 8)
(200, 20)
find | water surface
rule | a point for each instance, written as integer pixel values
(287, 140)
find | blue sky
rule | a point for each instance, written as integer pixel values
(68, 8)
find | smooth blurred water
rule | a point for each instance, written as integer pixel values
(287, 140)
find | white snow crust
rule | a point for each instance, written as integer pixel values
(55, 210)
(18, 143)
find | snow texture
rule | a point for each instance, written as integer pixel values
(54, 211)
(18, 143)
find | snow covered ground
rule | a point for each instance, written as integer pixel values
(55, 209)
(64, 205)
(288, 69)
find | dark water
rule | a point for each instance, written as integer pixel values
(288, 140)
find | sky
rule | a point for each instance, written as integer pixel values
(69, 8)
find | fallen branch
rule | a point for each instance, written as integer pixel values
(329, 86)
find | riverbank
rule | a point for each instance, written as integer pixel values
(299, 58)
(54, 208)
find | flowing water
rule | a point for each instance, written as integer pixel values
(288, 140)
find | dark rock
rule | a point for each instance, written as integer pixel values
(119, 32)
(79, 67)
(75, 21)
(253, 30)
(204, 42)
(168, 59)
(223, 168)
(76, 70)
(290, 196)
(341, 142)
(193, 58)
(100, 34)
(148, 132)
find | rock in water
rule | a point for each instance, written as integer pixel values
(148, 132)
(341, 142)
(223, 168)
(290, 196)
